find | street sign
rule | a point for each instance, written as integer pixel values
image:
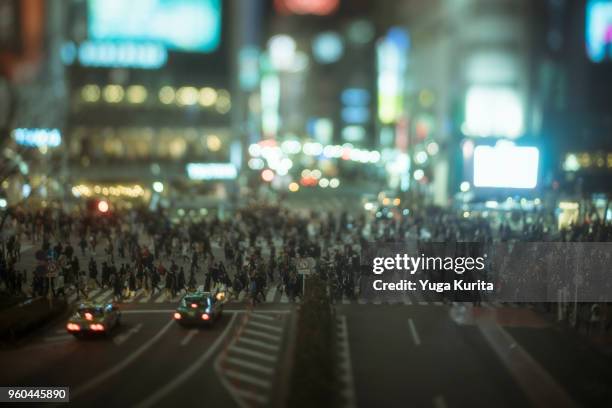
(52, 270)
(305, 266)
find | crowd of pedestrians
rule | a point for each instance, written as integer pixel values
(135, 251)
(257, 247)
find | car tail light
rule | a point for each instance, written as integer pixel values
(73, 327)
(96, 327)
(194, 305)
(88, 316)
(177, 316)
(205, 316)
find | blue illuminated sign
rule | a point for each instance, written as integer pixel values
(37, 137)
(355, 97)
(181, 25)
(124, 54)
(599, 30)
(211, 171)
(355, 114)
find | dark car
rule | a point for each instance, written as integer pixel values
(198, 308)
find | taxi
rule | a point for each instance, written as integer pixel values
(200, 308)
(91, 318)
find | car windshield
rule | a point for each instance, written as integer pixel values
(94, 311)
(195, 300)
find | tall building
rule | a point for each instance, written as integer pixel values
(144, 106)
(468, 83)
(578, 45)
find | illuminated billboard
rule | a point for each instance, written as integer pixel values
(180, 25)
(37, 137)
(506, 166)
(391, 60)
(599, 30)
(211, 171)
(315, 7)
(493, 111)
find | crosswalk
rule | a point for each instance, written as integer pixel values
(274, 295)
(248, 367)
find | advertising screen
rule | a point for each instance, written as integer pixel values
(493, 111)
(180, 25)
(599, 30)
(506, 166)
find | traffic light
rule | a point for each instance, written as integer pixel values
(103, 206)
(98, 207)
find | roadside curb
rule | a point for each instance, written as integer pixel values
(286, 368)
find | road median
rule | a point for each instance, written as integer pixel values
(312, 381)
(27, 316)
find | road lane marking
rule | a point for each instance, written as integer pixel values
(271, 294)
(62, 337)
(265, 326)
(188, 337)
(267, 311)
(251, 353)
(121, 338)
(262, 399)
(250, 365)
(247, 378)
(439, 402)
(258, 315)
(93, 294)
(258, 343)
(160, 311)
(155, 397)
(268, 336)
(147, 311)
(105, 375)
(105, 297)
(414, 333)
(139, 296)
(345, 362)
(540, 388)
(161, 298)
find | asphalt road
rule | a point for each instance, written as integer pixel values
(150, 360)
(457, 356)
(417, 352)
(396, 355)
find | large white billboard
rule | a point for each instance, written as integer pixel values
(506, 166)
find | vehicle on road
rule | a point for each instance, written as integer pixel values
(200, 308)
(91, 318)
